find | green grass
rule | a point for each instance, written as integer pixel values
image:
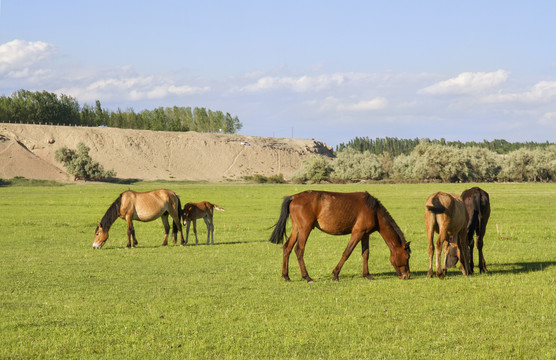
(59, 298)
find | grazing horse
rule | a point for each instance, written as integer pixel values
(445, 214)
(142, 206)
(194, 211)
(339, 214)
(477, 204)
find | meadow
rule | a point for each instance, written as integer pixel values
(59, 298)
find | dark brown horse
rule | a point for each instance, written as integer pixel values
(142, 206)
(445, 214)
(194, 211)
(339, 214)
(477, 204)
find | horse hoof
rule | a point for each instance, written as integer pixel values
(368, 277)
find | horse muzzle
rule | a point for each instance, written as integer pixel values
(97, 246)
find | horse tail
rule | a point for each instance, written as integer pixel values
(436, 207)
(279, 233)
(218, 207)
(174, 225)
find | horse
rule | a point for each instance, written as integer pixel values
(477, 204)
(339, 214)
(194, 211)
(142, 206)
(445, 214)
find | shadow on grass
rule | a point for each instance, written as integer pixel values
(520, 267)
(156, 246)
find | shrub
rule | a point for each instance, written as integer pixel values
(353, 165)
(315, 169)
(79, 164)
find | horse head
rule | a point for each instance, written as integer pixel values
(400, 260)
(186, 213)
(100, 237)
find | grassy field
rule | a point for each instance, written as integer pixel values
(59, 298)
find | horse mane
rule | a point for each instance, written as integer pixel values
(374, 203)
(111, 214)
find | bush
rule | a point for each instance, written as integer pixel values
(261, 179)
(530, 165)
(315, 169)
(79, 164)
(354, 165)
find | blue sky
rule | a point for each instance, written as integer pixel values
(329, 70)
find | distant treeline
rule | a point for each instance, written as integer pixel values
(430, 162)
(395, 146)
(29, 107)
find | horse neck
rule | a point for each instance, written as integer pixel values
(389, 230)
(111, 214)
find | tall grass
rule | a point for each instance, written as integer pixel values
(61, 299)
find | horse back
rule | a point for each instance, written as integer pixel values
(332, 212)
(148, 206)
(446, 210)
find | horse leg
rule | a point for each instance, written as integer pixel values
(480, 242)
(442, 237)
(471, 243)
(464, 251)
(430, 224)
(355, 237)
(166, 229)
(299, 251)
(130, 232)
(195, 231)
(188, 223)
(211, 221)
(176, 224)
(287, 249)
(207, 223)
(365, 254)
(446, 246)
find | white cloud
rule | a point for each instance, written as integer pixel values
(134, 88)
(540, 92)
(467, 83)
(365, 105)
(298, 84)
(548, 119)
(18, 55)
(334, 103)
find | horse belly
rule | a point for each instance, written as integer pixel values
(335, 227)
(144, 215)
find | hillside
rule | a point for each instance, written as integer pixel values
(28, 151)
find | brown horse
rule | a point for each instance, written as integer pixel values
(445, 214)
(339, 214)
(194, 211)
(477, 204)
(142, 206)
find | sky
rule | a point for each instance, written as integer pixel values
(328, 70)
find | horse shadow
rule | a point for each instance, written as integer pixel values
(521, 267)
(505, 268)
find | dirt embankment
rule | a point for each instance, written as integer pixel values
(28, 151)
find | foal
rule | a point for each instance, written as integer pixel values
(194, 211)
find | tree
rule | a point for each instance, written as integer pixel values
(79, 164)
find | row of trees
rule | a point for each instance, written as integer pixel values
(29, 107)
(395, 146)
(433, 162)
